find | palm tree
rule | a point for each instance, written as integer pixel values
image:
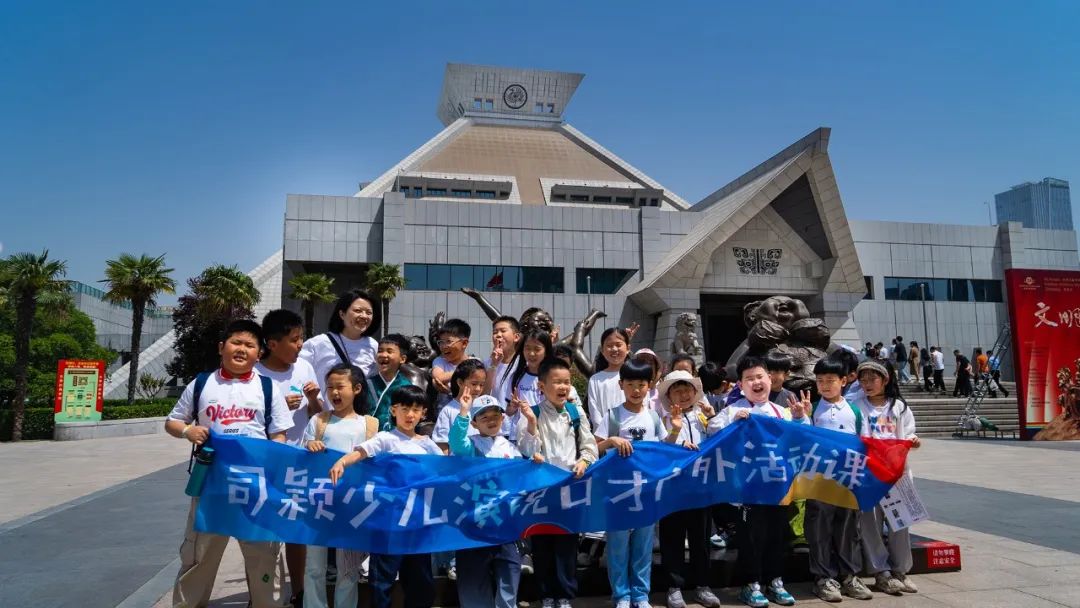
(310, 288)
(137, 280)
(384, 281)
(28, 279)
(222, 288)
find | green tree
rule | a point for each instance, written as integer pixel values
(219, 295)
(310, 288)
(384, 281)
(28, 280)
(137, 280)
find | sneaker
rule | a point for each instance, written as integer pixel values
(706, 597)
(906, 584)
(776, 593)
(451, 573)
(564, 604)
(751, 596)
(623, 603)
(885, 583)
(828, 590)
(526, 564)
(642, 604)
(547, 602)
(853, 587)
(718, 541)
(675, 599)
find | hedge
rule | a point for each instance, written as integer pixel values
(38, 421)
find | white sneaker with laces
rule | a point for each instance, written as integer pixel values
(624, 603)
(643, 604)
(675, 598)
(565, 604)
(706, 597)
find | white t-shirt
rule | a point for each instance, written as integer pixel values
(835, 416)
(635, 427)
(501, 375)
(939, 360)
(891, 420)
(292, 381)
(341, 434)
(528, 389)
(233, 407)
(396, 442)
(604, 395)
(442, 364)
(493, 447)
(450, 411)
(322, 355)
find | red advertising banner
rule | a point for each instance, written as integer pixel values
(1044, 313)
(80, 388)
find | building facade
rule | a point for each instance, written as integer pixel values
(1045, 205)
(112, 322)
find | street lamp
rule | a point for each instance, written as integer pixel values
(926, 327)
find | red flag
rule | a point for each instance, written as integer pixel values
(496, 280)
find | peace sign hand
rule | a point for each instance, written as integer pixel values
(799, 407)
(517, 404)
(465, 398)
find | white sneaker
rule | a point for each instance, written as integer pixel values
(565, 604)
(885, 583)
(624, 603)
(907, 585)
(706, 597)
(547, 602)
(675, 599)
(643, 604)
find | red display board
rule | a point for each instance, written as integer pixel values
(1044, 314)
(80, 390)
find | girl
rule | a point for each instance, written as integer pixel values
(647, 356)
(885, 416)
(469, 375)
(341, 429)
(604, 392)
(355, 318)
(533, 350)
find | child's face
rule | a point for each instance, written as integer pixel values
(475, 383)
(287, 349)
(341, 392)
(683, 365)
(534, 353)
(389, 358)
(357, 317)
(408, 415)
(682, 395)
(615, 350)
(489, 423)
(556, 386)
(776, 379)
(755, 384)
(872, 383)
(831, 386)
(452, 347)
(503, 332)
(634, 391)
(239, 353)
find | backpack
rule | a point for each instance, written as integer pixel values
(268, 397)
(854, 410)
(614, 423)
(575, 421)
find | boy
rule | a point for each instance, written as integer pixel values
(453, 340)
(833, 532)
(392, 354)
(779, 366)
(505, 335)
(283, 331)
(850, 361)
(408, 409)
(761, 539)
(489, 576)
(714, 382)
(567, 442)
(234, 388)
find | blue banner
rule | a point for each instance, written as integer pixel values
(264, 491)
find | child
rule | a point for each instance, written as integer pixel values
(408, 409)
(762, 537)
(505, 336)
(341, 430)
(283, 331)
(682, 398)
(564, 352)
(629, 552)
(833, 532)
(779, 366)
(565, 442)
(850, 361)
(453, 340)
(260, 411)
(684, 362)
(715, 383)
(392, 354)
(524, 385)
(489, 576)
(604, 393)
(648, 357)
(885, 416)
(470, 376)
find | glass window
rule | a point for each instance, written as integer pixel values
(551, 108)
(959, 291)
(601, 199)
(477, 103)
(438, 277)
(625, 200)
(451, 277)
(558, 197)
(485, 194)
(436, 191)
(581, 198)
(415, 276)
(461, 276)
(487, 278)
(538, 108)
(604, 281)
(869, 288)
(461, 193)
(986, 290)
(489, 104)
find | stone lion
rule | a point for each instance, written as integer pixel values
(686, 340)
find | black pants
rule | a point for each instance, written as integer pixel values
(939, 380)
(555, 565)
(762, 541)
(963, 385)
(675, 529)
(995, 377)
(928, 378)
(414, 571)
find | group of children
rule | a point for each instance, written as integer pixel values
(348, 392)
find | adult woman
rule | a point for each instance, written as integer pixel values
(348, 338)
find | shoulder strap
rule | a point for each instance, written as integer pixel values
(858, 417)
(268, 401)
(536, 410)
(200, 384)
(339, 348)
(321, 420)
(613, 422)
(657, 424)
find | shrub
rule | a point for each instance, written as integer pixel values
(38, 421)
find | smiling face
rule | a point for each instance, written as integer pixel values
(489, 422)
(239, 353)
(389, 358)
(681, 395)
(534, 354)
(357, 318)
(634, 391)
(407, 416)
(615, 350)
(341, 392)
(755, 384)
(556, 386)
(452, 347)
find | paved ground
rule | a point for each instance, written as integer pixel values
(98, 523)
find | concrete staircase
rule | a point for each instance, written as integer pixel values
(936, 414)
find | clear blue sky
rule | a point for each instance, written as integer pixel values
(179, 128)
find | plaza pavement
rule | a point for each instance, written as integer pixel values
(98, 523)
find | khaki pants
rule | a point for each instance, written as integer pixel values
(200, 556)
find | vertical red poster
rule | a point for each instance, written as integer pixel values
(1044, 313)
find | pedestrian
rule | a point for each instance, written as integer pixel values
(927, 370)
(995, 370)
(913, 360)
(939, 368)
(900, 354)
(962, 387)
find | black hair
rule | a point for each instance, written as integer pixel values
(636, 369)
(892, 388)
(456, 328)
(915, 343)
(684, 357)
(777, 362)
(924, 354)
(849, 359)
(601, 363)
(978, 350)
(408, 395)
(357, 379)
(514, 325)
(337, 325)
(399, 341)
(712, 376)
(900, 339)
(242, 326)
(829, 365)
(749, 362)
(652, 360)
(551, 364)
(517, 364)
(462, 373)
(279, 323)
(563, 351)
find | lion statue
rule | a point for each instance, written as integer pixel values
(686, 340)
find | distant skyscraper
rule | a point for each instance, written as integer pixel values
(1042, 204)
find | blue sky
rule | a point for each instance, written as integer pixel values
(179, 128)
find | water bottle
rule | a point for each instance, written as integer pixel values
(203, 459)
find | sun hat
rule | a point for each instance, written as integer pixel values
(679, 376)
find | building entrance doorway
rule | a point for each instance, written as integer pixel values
(722, 324)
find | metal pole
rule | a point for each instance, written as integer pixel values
(988, 215)
(926, 328)
(588, 295)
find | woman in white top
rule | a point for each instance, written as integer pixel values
(355, 319)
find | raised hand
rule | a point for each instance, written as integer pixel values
(800, 407)
(518, 404)
(707, 409)
(293, 400)
(465, 399)
(633, 329)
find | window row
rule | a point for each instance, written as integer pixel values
(600, 198)
(540, 108)
(483, 104)
(535, 279)
(453, 192)
(943, 290)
